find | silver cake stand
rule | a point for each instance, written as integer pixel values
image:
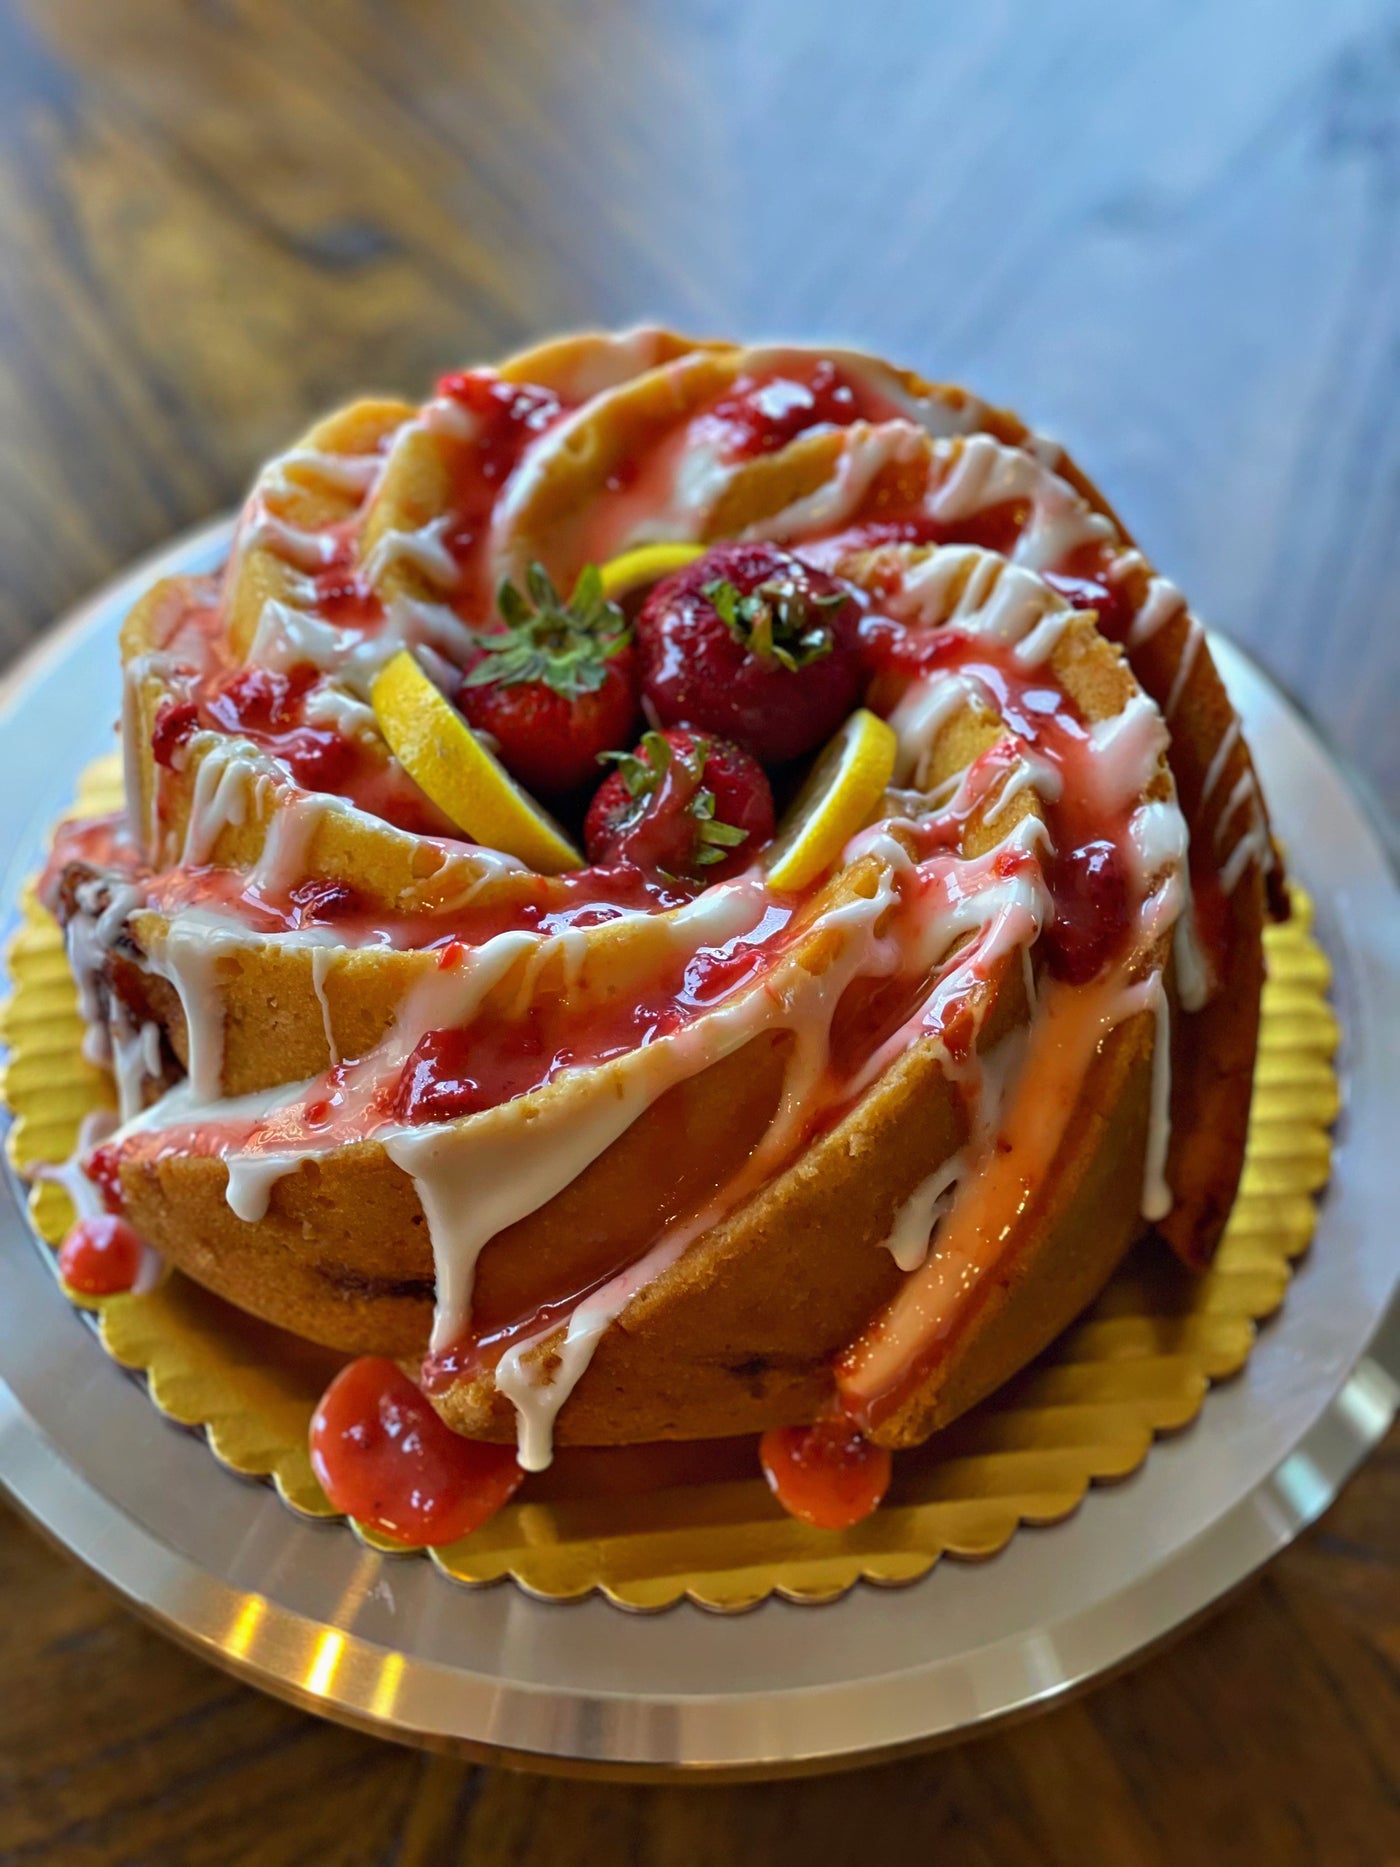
(305, 1611)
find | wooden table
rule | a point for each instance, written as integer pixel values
(1169, 233)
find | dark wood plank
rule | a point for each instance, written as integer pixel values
(1169, 233)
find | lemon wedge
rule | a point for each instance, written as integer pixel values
(842, 789)
(445, 759)
(645, 565)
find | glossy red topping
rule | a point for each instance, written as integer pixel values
(462, 1070)
(1090, 923)
(449, 1074)
(1105, 596)
(509, 414)
(103, 1168)
(316, 900)
(320, 760)
(384, 1457)
(260, 700)
(176, 723)
(828, 1475)
(681, 804)
(759, 416)
(555, 684)
(751, 643)
(101, 1256)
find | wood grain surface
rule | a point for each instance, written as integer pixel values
(1169, 233)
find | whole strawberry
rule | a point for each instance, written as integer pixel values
(556, 683)
(751, 642)
(683, 805)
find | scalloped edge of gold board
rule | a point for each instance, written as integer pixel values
(1137, 1364)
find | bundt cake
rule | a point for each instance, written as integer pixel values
(674, 890)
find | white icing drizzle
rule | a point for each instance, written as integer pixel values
(308, 551)
(96, 1126)
(911, 1231)
(537, 1401)
(609, 359)
(1195, 982)
(340, 711)
(347, 473)
(231, 785)
(1162, 601)
(1190, 648)
(251, 1178)
(182, 1106)
(236, 784)
(1216, 769)
(1071, 1025)
(980, 594)
(474, 1178)
(189, 958)
(287, 637)
(101, 911)
(1001, 912)
(1128, 747)
(136, 1059)
(984, 472)
(424, 549)
(1158, 837)
(1041, 447)
(322, 959)
(940, 413)
(1253, 846)
(1028, 773)
(1244, 788)
(922, 713)
(867, 448)
(444, 998)
(1156, 1193)
(134, 675)
(86, 1196)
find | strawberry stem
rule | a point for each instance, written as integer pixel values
(778, 622)
(566, 646)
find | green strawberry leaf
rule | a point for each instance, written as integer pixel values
(566, 646)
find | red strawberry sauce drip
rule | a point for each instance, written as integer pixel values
(1088, 582)
(384, 1457)
(103, 1168)
(761, 414)
(828, 1475)
(1090, 893)
(176, 722)
(101, 1256)
(509, 416)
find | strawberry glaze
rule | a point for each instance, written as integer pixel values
(385, 1458)
(101, 1256)
(828, 1475)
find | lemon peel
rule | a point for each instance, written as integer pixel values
(447, 761)
(842, 789)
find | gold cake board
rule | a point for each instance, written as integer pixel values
(1139, 1363)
